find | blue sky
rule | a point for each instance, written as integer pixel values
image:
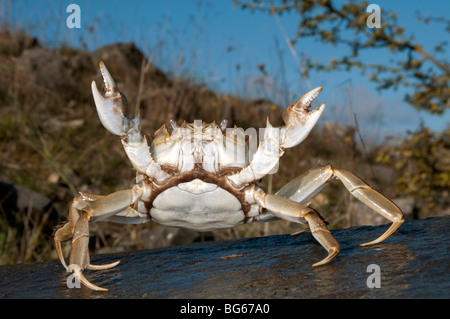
(222, 46)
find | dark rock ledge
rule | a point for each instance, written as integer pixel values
(413, 263)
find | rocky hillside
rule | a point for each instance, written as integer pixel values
(53, 145)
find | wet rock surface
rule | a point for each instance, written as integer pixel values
(414, 263)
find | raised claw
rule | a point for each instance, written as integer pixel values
(109, 106)
(300, 120)
(305, 101)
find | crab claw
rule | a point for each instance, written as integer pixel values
(300, 120)
(305, 101)
(109, 106)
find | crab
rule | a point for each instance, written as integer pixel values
(198, 177)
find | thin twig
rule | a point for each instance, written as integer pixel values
(293, 52)
(145, 66)
(364, 147)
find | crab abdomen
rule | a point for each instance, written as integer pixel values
(197, 205)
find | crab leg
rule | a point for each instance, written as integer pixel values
(110, 111)
(62, 234)
(79, 255)
(84, 209)
(290, 210)
(307, 185)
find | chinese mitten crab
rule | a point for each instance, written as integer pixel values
(196, 178)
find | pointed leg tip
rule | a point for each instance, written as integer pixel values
(395, 225)
(114, 264)
(373, 242)
(333, 252)
(87, 283)
(320, 263)
(103, 267)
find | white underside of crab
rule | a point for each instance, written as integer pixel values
(200, 177)
(197, 205)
